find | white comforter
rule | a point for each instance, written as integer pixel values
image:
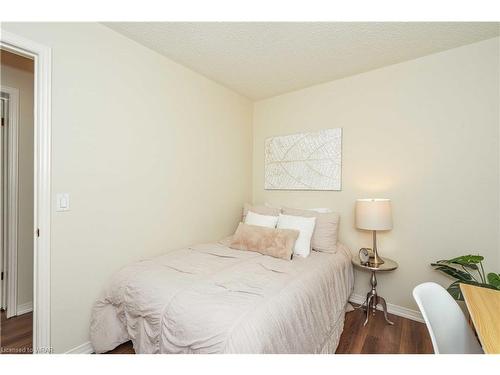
(212, 299)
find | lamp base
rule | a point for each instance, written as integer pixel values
(375, 259)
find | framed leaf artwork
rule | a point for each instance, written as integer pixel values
(304, 161)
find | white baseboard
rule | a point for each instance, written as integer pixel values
(24, 308)
(85, 348)
(392, 309)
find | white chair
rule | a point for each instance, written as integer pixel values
(450, 333)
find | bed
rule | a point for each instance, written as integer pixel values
(210, 298)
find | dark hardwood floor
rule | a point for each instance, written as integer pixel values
(126, 348)
(377, 337)
(16, 334)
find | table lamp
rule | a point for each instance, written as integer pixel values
(374, 214)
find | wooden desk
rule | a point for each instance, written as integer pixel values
(484, 308)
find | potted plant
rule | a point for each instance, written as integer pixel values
(467, 269)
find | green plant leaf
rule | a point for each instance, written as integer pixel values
(454, 290)
(494, 280)
(452, 271)
(472, 266)
(467, 259)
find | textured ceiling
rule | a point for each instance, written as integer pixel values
(263, 59)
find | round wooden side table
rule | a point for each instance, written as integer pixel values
(372, 298)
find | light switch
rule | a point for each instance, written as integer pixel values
(62, 202)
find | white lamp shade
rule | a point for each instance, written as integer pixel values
(373, 214)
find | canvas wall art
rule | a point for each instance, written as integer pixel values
(304, 161)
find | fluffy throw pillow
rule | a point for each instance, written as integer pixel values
(278, 243)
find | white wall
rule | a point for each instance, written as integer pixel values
(154, 156)
(23, 81)
(424, 133)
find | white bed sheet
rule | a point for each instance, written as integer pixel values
(209, 298)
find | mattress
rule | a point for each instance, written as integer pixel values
(210, 298)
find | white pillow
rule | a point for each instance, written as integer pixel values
(261, 220)
(305, 226)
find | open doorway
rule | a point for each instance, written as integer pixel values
(16, 202)
(41, 55)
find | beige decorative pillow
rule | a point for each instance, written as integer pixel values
(260, 209)
(277, 243)
(326, 230)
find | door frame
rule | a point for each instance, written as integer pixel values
(11, 192)
(3, 256)
(42, 56)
